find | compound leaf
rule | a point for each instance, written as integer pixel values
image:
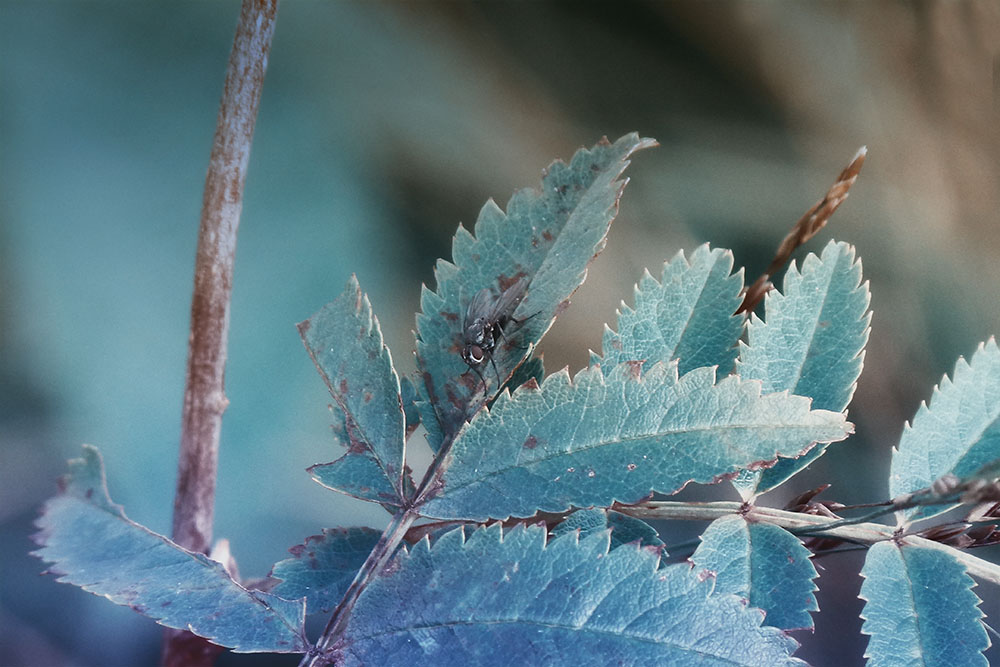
(546, 237)
(598, 439)
(688, 315)
(90, 543)
(811, 343)
(920, 609)
(957, 433)
(511, 599)
(321, 569)
(764, 564)
(345, 343)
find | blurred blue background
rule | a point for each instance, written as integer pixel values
(382, 126)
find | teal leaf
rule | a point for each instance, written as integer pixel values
(546, 237)
(624, 529)
(599, 439)
(409, 395)
(531, 369)
(90, 543)
(511, 599)
(957, 433)
(811, 343)
(920, 609)
(764, 564)
(345, 343)
(321, 569)
(688, 315)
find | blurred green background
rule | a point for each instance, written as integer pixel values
(382, 126)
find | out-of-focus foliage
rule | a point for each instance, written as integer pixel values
(373, 118)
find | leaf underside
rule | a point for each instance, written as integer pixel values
(920, 609)
(957, 433)
(345, 343)
(687, 315)
(811, 343)
(599, 439)
(764, 564)
(546, 237)
(624, 528)
(321, 569)
(92, 544)
(510, 599)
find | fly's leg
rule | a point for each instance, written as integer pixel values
(493, 363)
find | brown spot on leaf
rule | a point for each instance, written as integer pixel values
(343, 386)
(90, 493)
(631, 466)
(635, 367)
(505, 283)
(530, 443)
(451, 317)
(367, 396)
(304, 327)
(356, 444)
(561, 308)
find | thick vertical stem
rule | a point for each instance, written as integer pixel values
(204, 394)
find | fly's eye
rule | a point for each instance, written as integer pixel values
(474, 354)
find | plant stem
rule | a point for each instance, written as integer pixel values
(796, 522)
(377, 559)
(222, 203)
(393, 535)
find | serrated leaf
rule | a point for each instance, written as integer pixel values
(90, 543)
(345, 343)
(532, 369)
(546, 237)
(764, 564)
(920, 609)
(511, 599)
(957, 433)
(624, 528)
(599, 439)
(811, 343)
(688, 315)
(321, 569)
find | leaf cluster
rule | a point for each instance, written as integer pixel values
(529, 529)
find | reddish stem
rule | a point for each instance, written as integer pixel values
(204, 394)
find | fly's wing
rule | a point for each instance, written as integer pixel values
(506, 303)
(480, 306)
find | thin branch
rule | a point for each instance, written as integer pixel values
(204, 393)
(811, 222)
(796, 522)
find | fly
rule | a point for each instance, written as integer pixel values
(486, 318)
